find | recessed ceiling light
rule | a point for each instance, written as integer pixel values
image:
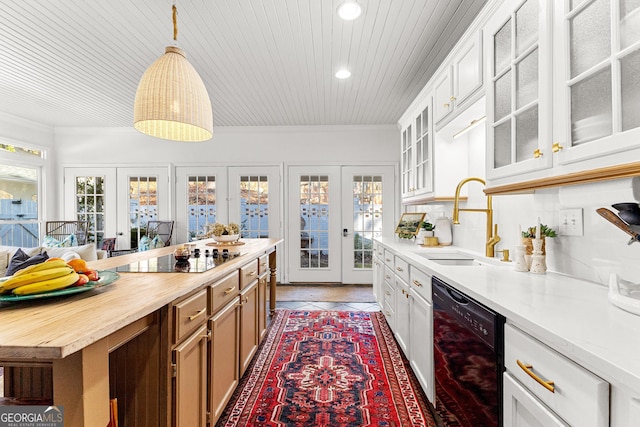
(343, 74)
(349, 10)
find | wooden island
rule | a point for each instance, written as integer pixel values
(171, 347)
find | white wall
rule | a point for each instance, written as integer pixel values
(264, 145)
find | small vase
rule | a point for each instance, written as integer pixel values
(528, 243)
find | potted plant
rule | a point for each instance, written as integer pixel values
(426, 230)
(530, 234)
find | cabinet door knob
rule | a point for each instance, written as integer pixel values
(453, 98)
(556, 147)
(537, 153)
(446, 105)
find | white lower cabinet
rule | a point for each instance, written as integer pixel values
(522, 409)
(402, 315)
(572, 394)
(421, 342)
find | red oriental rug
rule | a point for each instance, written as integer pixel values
(332, 369)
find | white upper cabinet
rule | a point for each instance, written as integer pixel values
(459, 80)
(519, 96)
(417, 154)
(565, 108)
(597, 76)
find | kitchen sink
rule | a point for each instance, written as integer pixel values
(450, 259)
(455, 261)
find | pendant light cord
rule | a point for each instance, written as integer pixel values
(175, 22)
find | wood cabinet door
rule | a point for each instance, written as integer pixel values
(262, 305)
(223, 361)
(190, 382)
(248, 325)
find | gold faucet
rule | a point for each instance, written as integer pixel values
(492, 236)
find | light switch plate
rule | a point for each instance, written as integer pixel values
(571, 223)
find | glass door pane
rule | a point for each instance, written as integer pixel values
(201, 205)
(629, 22)
(314, 221)
(254, 206)
(19, 205)
(630, 82)
(367, 218)
(90, 206)
(142, 206)
(591, 108)
(590, 36)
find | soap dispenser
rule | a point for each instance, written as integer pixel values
(443, 230)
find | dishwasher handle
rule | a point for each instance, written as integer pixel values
(457, 296)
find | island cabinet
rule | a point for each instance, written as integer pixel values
(170, 347)
(189, 360)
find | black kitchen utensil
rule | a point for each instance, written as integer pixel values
(615, 220)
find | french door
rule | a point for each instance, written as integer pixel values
(117, 201)
(334, 213)
(201, 199)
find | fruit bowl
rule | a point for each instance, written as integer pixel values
(226, 238)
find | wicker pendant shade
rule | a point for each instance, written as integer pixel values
(172, 102)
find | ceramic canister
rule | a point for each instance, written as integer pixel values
(443, 231)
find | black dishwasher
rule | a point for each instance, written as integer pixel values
(468, 350)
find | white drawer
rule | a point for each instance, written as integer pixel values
(579, 397)
(402, 269)
(388, 258)
(420, 282)
(388, 274)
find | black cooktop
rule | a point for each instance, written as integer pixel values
(168, 264)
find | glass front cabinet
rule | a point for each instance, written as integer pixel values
(565, 104)
(417, 155)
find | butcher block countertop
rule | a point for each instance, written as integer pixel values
(54, 328)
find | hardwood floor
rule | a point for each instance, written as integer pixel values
(326, 297)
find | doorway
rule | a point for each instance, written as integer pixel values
(334, 214)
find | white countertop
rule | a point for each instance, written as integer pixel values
(572, 316)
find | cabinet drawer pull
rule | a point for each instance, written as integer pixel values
(387, 259)
(537, 153)
(263, 264)
(453, 98)
(556, 147)
(399, 269)
(387, 276)
(251, 273)
(415, 282)
(387, 292)
(228, 291)
(528, 369)
(446, 105)
(198, 314)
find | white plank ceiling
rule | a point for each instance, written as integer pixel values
(264, 62)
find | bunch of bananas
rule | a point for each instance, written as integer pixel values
(48, 276)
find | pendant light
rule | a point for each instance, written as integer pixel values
(172, 101)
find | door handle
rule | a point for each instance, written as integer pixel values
(345, 232)
(120, 233)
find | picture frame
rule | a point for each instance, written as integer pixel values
(409, 224)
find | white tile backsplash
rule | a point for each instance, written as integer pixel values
(601, 251)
